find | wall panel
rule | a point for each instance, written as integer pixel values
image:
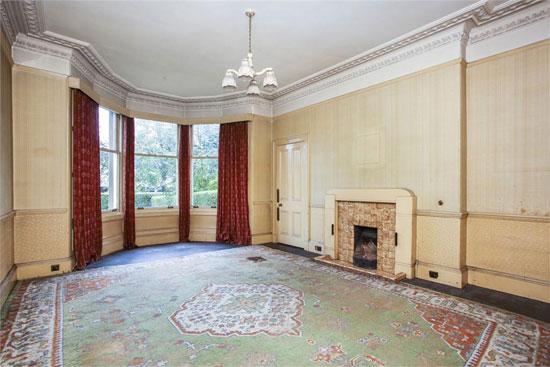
(7, 273)
(41, 144)
(398, 134)
(509, 133)
(203, 226)
(157, 227)
(6, 146)
(6, 256)
(41, 139)
(41, 235)
(112, 233)
(517, 247)
(259, 179)
(508, 242)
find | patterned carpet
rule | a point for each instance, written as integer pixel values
(254, 306)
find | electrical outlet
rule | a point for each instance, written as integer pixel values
(55, 267)
(318, 248)
(433, 274)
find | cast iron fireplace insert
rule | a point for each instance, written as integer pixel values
(365, 247)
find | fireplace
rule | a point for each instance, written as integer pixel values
(389, 211)
(365, 247)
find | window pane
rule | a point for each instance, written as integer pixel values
(107, 129)
(158, 138)
(155, 182)
(205, 140)
(109, 180)
(205, 182)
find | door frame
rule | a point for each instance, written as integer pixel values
(298, 138)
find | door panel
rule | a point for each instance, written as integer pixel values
(292, 181)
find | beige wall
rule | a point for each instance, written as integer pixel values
(41, 163)
(405, 133)
(112, 233)
(7, 274)
(399, 134)
(508, 245)
(476, 138)
(259, 179)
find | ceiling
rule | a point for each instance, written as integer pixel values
(183, 48)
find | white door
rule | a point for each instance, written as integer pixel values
(292, 201)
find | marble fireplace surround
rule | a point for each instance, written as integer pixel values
(405, 226)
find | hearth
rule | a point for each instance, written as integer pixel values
(365, 248)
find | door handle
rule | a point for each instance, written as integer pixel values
(280, 205)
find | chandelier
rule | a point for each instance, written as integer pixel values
(246, 70)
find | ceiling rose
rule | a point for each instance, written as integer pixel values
(246, 70)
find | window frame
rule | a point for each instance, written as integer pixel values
(118, 152)
(199, 208)
(176, 157)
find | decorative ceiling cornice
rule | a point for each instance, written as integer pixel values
(460, 36)
(26, 17)
(507, 27)
(478, 14)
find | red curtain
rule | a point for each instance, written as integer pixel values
(184, 188)
(232, 221)
(128, 206)
(86, 181)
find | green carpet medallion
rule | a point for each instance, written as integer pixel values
(254, 307)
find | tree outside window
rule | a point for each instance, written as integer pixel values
(156, 164)
(204, 165)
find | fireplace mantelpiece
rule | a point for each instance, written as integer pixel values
(405, 209)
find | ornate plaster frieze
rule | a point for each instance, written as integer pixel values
(44, 48)
(538, 14)
(26, 18)
(460, 37)
(6, 24)
(198, 104)
(82, 65)
(480, 14)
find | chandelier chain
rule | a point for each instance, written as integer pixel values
(246, 71)
(250, 33)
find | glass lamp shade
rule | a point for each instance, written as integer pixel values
(245, 71)
(270, 82)
(229, 81)
(253, 88)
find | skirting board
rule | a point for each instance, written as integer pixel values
(7, 285)
(202, 236)
(110, 247)
(260, 239)
(312, 244)
(147, 238)
(43, 268)
(445, 275)
(529, 288)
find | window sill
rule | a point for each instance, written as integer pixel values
(157, 212)
(204, 211)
